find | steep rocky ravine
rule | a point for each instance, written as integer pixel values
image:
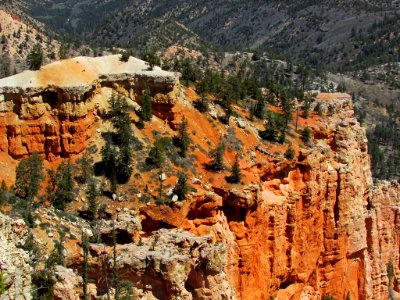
(294, 229)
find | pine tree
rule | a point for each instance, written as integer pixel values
(290, 153)
(56, 257)
(86, 167)
(182, 140)
(181, 187)
(91, 195)
(145, 104)
(62, 52)
(151, 58)
(64, 187)
(156, 155)
(124, 164)
(259, 109)
(217, 157)
(236, 174)
(35, 57)
(117, 153)
(306, 135)
(29, 176)
(126, 55)
(271, 131)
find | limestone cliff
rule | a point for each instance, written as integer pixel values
(54, 111)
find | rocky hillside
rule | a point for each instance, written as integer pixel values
(324, 32)
(305, 225)
(17, 40)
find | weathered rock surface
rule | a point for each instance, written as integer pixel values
(302, 229)
(309, 228)
(14, 262)
(54, 111)
(171, 264)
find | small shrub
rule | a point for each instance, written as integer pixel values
(201, 105)
(125, 55)
(3, 287)
(306, 135)
(290, 153)
(318, 109)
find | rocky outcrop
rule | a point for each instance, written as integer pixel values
(170, 264)
(298, 229)
(309, 227)
(54, 111)
(14, 262)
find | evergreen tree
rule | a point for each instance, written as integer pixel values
(126, 55)
(64, 186)
(62, 52)
(217, 157)
(35, 57)
(272, 124)
(290, 153)
(91, 195)
(86, 167)
(29, 176)
(43, 283)
(181, 187)
(124, 164)
(259, 109)
(145, 104)
(151, 58)
(118, 159)
(306, 135)
(236, 174)
(56, 257)
(156, 154)
(182, 140)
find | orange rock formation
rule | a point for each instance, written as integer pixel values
(297, 229)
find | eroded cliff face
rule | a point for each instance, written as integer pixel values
(294, 229)
(54, 111)
(304, 228)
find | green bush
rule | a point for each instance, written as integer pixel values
(306, 135)
(290, 153)
(3, 287)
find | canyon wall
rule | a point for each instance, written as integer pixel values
(305, 228)
(308, 228)
(54, 111)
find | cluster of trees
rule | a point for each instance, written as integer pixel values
(384, 147)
